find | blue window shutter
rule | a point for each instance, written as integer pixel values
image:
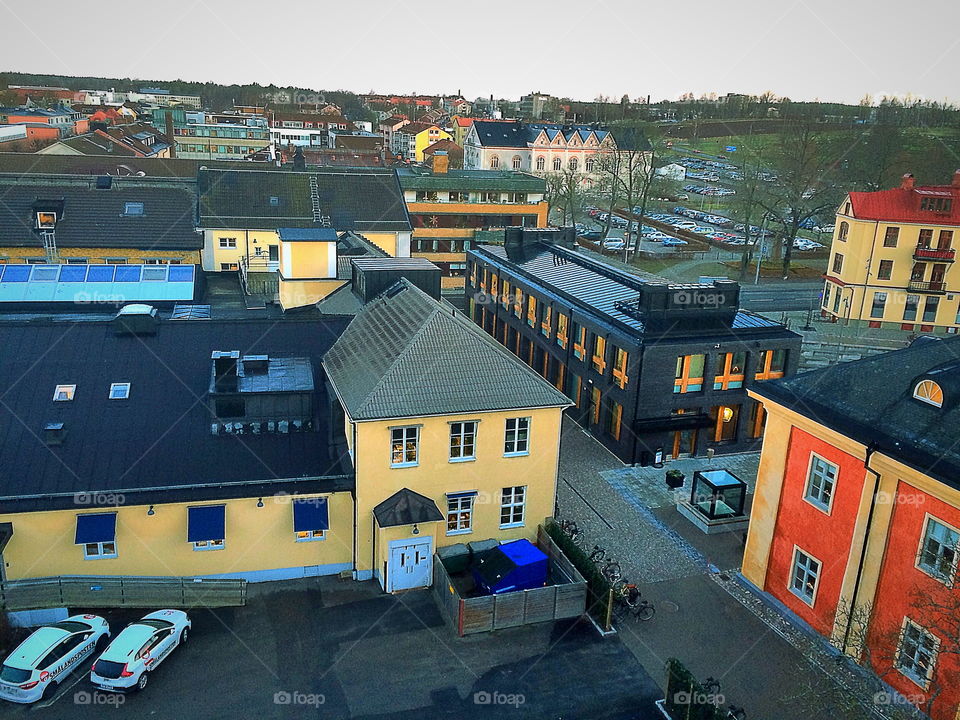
(310, 515)
(94, 528)
(205, 523)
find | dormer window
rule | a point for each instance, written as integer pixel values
(274, 200)
(64, 393)
(46, 219)
(929, 392)
(936, 204)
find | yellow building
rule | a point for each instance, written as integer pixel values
(891, 259)
(214, 449)
(292, 230)
(448, 207)
(413, 138)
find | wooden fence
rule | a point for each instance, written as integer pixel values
(567, 598)
(120, 591)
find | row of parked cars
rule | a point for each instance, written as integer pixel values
(52, 652)
(710, 190)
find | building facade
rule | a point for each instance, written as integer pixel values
(410, 140)
(448, 208)
(854, 525)
(655, 370)
(892, 257)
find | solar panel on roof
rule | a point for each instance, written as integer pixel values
(180, 273)
(101, 273)
(127, 273)
(73, 273)
(154, 273)
(45, 273)
(16, 273)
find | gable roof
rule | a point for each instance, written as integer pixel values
(406, 507)
(903, 205)
(408, 355)
(501, 133)
(871, 401)
(361, 199)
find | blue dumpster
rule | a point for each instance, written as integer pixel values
(517, 565)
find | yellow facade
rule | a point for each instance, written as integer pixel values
(129, 256)
(426, 138)
(864, 261)
(435, 475)
(225, 249)
(258, 540)
(299, 293)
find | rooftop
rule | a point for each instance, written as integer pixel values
(417, 178)
(871, 401)
(909, 203)
(517, 134)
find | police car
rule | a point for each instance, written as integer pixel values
(138, 649)
(43, 661)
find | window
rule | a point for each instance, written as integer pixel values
(561, 330)
(939, 205)
(557, 164)
(228, 242)
(573, 164)
(494, 285)
(930, 309)
(598, 359)
(890, 236)
(308, 535)
(208, 545)
(757, 417)
(460, 513)
(821, 478)
(588, 165)
(99, 550)
(547, 323)
(541, 163)
(133, 209)
(494, 163)
(64, 393)
(458, 196)
(926, 237)
(945, 240)
(772, 364)
(46, 219)
(938, 550)
(579, 341)
(917, 652)
(837, 263)
(516, 162)
(506, 293)
(613, 419)
(806, 575)
(726, 421)
(731, 371)
(512, 501)
(463, 439)
(227, 266)
(596, 399)
(620, 367)
(844, 231)
(531, 311)
(516, 438)
(885, 270)
(404, 446)
(689, 374)
(910, 307)
(879, 300)
(119, 391)
(929, 392)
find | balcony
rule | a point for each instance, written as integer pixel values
(927, 287)
(927, 253)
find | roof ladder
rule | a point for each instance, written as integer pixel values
(49, 238)
(315, 200)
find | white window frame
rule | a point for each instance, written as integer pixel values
(101, 553)
(468, 429)
(404, 430)
(123, 387)
(464, 506)
(310, 535)
(797, 551)
(69, 392)
(509, 503)
(808, 494)
(923, 682)
(512, 435)
(948, 580)
(207, 545)
(227, 243)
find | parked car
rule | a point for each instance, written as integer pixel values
(44, 660)
(139, 649)
(592, 235)
(613, 244)
(673, 242)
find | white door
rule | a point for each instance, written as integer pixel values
(411, 564)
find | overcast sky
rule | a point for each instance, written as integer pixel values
(804, 49)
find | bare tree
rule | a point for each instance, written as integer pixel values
(628, 173)
(565, 192)
(747, 203)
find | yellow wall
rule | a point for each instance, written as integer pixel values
(388, 242)
(297, 293)
(436, 475)
(99, 255)
(424, 140)
(308, 260)
(247, 241)
(256, 539)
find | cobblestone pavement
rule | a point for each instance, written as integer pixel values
(705, 616)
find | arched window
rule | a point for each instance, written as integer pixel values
(573, 164)
(556, 164)
(541, 163)
(929, 392)
(844, 229)
(589, 164)
(516, 162)
(494, 162)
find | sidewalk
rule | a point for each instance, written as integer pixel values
(704, 616)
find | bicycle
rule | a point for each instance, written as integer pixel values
(611, 570)
(571, 530)
(597, 554)
(629, 602)
(736, 713)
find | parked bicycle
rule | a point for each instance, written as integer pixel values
(629, 602)
(571, 530)
(610, 570)
(736, 713)
(597, 554)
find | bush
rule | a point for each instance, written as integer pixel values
(686, 698)
(598, 588)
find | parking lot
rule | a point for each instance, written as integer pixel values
(339, 649)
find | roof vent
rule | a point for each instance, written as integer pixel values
(225, 369)
(54, 433)
(255, 364)
(136, 319)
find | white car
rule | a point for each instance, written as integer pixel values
(42, 661)
(613, 244)
(138, 649)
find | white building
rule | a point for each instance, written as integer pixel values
(673, 171)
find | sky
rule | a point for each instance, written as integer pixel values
(831, 50)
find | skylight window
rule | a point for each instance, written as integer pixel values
(119, 391)
(64, 393)
(133, 209)
(274, 200)
(929, 392)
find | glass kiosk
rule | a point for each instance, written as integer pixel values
(718, 494)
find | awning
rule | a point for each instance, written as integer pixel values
(96, 528)
(406, 507)
(205, 523)
(310, 514)
(687, 421)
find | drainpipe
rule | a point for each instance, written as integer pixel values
(871, 449)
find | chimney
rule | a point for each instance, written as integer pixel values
(907, 182)
(168, 128)
(225, 370)
(956, 179)
(441, 162)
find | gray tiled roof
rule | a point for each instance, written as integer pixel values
(408, 355)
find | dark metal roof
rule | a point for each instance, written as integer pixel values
(406, 507)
